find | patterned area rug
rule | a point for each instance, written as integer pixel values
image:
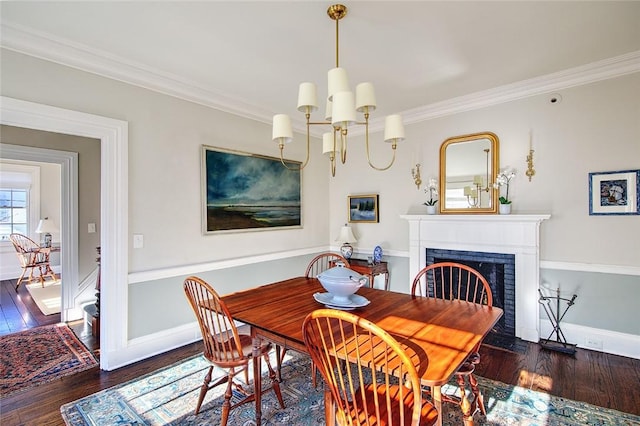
(39, 355)
(168, 397)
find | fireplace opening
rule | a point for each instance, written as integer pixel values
(499, 270)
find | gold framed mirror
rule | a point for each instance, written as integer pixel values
(468, 167)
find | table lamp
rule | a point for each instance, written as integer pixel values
(46, 227)
(346, 236)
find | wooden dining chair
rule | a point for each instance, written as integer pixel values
(31, 256)
(324, 261)
(225, 348)
(456, 281)
(370, 379)
(318, 264)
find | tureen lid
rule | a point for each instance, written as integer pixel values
(339, 273)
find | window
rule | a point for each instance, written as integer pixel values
(19, 199)
(14, 208)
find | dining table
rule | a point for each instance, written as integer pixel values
(438, 335)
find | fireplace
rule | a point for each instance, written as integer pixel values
(498, 269)
(484, 236)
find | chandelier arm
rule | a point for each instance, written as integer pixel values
(343, 145)
(285, 164)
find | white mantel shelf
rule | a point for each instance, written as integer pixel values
(517, 234)
(478, 217)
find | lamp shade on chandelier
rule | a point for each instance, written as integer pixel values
(342, 106)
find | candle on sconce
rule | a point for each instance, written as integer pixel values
(530, 140)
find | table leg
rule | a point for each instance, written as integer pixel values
(257, 379)
(436, 393)
(386, 281)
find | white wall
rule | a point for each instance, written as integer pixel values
(594, 128)
(165, 138)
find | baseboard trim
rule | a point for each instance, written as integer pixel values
(153, 344)
(596, 339)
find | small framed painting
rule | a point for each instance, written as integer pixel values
(614, 193)
(363, 208)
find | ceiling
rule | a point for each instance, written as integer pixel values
(425, 58)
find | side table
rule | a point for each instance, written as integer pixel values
(363, 267)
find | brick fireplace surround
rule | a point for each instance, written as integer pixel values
(509, 234)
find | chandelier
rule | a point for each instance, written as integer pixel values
(340, 112)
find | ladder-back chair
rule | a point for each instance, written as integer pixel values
(456, 281)
(224, 347)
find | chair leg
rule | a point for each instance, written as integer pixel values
(203, 389)
(24, 271)
(275, 383)
(479, 399)
(226, 405)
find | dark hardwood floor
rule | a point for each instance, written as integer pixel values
(594, 377)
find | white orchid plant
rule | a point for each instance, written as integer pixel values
(432, 191)
(503, 179)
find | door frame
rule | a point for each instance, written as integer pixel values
(114, 209)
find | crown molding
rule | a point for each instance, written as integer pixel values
(75, 55)
(586, 74)
(45, 46)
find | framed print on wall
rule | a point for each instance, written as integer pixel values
(248, 192)
(363, 208)
(614, 193)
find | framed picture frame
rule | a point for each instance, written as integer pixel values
(248, 192)
(363, 208)
(614, 193)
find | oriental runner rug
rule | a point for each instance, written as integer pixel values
(168, 397)
(32, 357)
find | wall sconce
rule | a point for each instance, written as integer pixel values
(473, 195)
(416, 176)
(530, 170)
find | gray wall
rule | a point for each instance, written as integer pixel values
(88, 183)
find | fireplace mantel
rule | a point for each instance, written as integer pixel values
(517, 234)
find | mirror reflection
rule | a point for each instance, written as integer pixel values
(468, 167)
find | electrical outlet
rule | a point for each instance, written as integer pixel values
(593, 343)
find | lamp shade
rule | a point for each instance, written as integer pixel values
(365, 97)
(344, 109)
(328, 142)
(346, 235)
(337, 82)
(307, 97)
(282, 131)
(393, 128)
(46, 226)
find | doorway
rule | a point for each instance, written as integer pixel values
(113, 135)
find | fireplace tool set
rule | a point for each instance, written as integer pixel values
(560, 343)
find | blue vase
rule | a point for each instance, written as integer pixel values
(377, 254)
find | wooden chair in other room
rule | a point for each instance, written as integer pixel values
(322, 262)
(32, 256)
(224, 347)
(370, 379)
(455, 281)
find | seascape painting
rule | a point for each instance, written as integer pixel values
(363, 208)
(244, 191)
